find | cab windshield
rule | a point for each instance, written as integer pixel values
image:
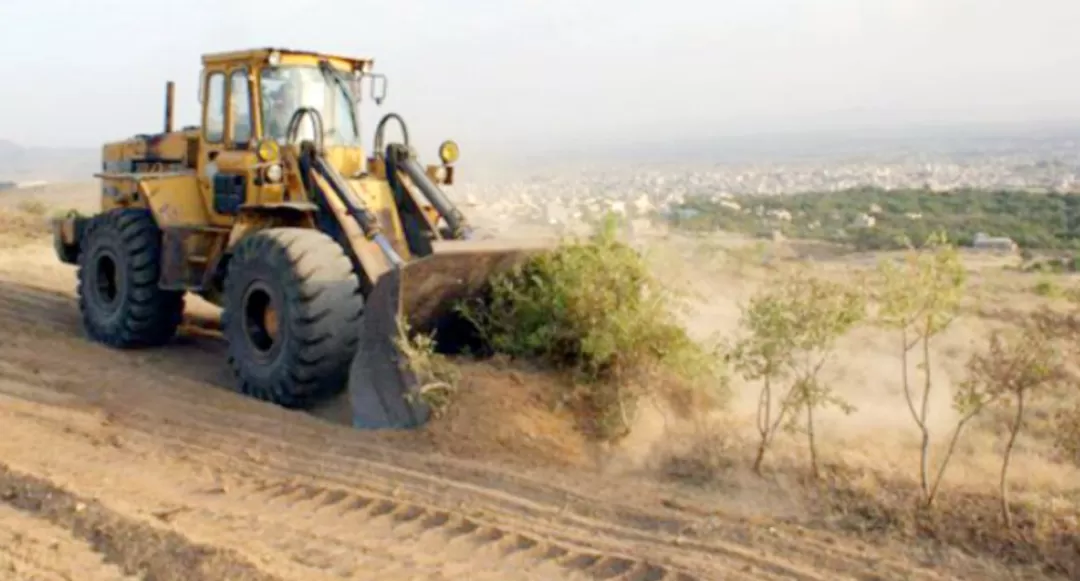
(287, 88)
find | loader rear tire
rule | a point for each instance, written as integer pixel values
(118, 268)
(291, 315)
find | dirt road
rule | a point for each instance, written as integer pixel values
(144, 465)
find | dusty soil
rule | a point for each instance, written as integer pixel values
(144, 464)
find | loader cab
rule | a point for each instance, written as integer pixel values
(248, 99)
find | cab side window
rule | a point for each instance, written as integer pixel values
(240, 105)
(214, 124)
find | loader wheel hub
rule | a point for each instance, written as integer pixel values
(260, 319)
(106, 285)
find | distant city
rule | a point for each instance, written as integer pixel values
(569, 194)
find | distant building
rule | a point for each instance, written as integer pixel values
(993, 243)
(864, 221)
(783, 215)
(36, 184)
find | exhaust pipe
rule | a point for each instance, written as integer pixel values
(169, 99)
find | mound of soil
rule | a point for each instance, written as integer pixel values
(508, 413)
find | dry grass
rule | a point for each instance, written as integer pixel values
(33, 207)
(870, 476)
(861, 501)
(19, 227)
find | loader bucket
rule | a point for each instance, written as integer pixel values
(422, 293)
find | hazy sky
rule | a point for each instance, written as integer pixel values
(498, 73)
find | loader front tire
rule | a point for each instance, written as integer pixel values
(291, 315)
(118, 269)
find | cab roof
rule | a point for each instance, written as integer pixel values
(262, 54)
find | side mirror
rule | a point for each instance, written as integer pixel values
(378, 88)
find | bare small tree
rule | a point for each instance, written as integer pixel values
(1064, 329)
(920, 298)
(1015, 367)
(791, 330)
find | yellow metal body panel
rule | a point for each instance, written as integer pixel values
(260, 56)
(377, 196)
(172, 147)
(173, 198)
(175, 201)
(144, 154)
(348, 160)
(67, 236)
(372, 259)
(246, 164)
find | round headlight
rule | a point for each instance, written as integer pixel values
(268, 150)
(448, 152)
(273, 173)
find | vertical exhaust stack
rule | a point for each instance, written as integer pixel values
(169, 90)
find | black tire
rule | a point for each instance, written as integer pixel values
(118, 269)
(306, 280)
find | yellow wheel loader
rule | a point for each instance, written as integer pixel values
(316, 253)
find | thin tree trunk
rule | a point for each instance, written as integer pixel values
(764, 425)
(764, 407)
(924, 410)
(1018, 419)
(909, 397)
(951, 449)
(932, 491)
(812, 442)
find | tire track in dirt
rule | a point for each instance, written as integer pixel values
(330, 473)
(207, 433)
(448, 539)
(32, 549)
(316, 532)
(453, 536)
(317, 456)
(44, 309)
(136, 549)
(289, 444)
(471, 540)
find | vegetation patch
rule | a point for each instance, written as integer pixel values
(879, 219)
(789, 332)
(593, 310)
(437, 377)
(1042, 536)
(18, 226)
(1013, 377)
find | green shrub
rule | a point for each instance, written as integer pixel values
(438, 377)
(1047, 288)
(594, 309)
(35, 207)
